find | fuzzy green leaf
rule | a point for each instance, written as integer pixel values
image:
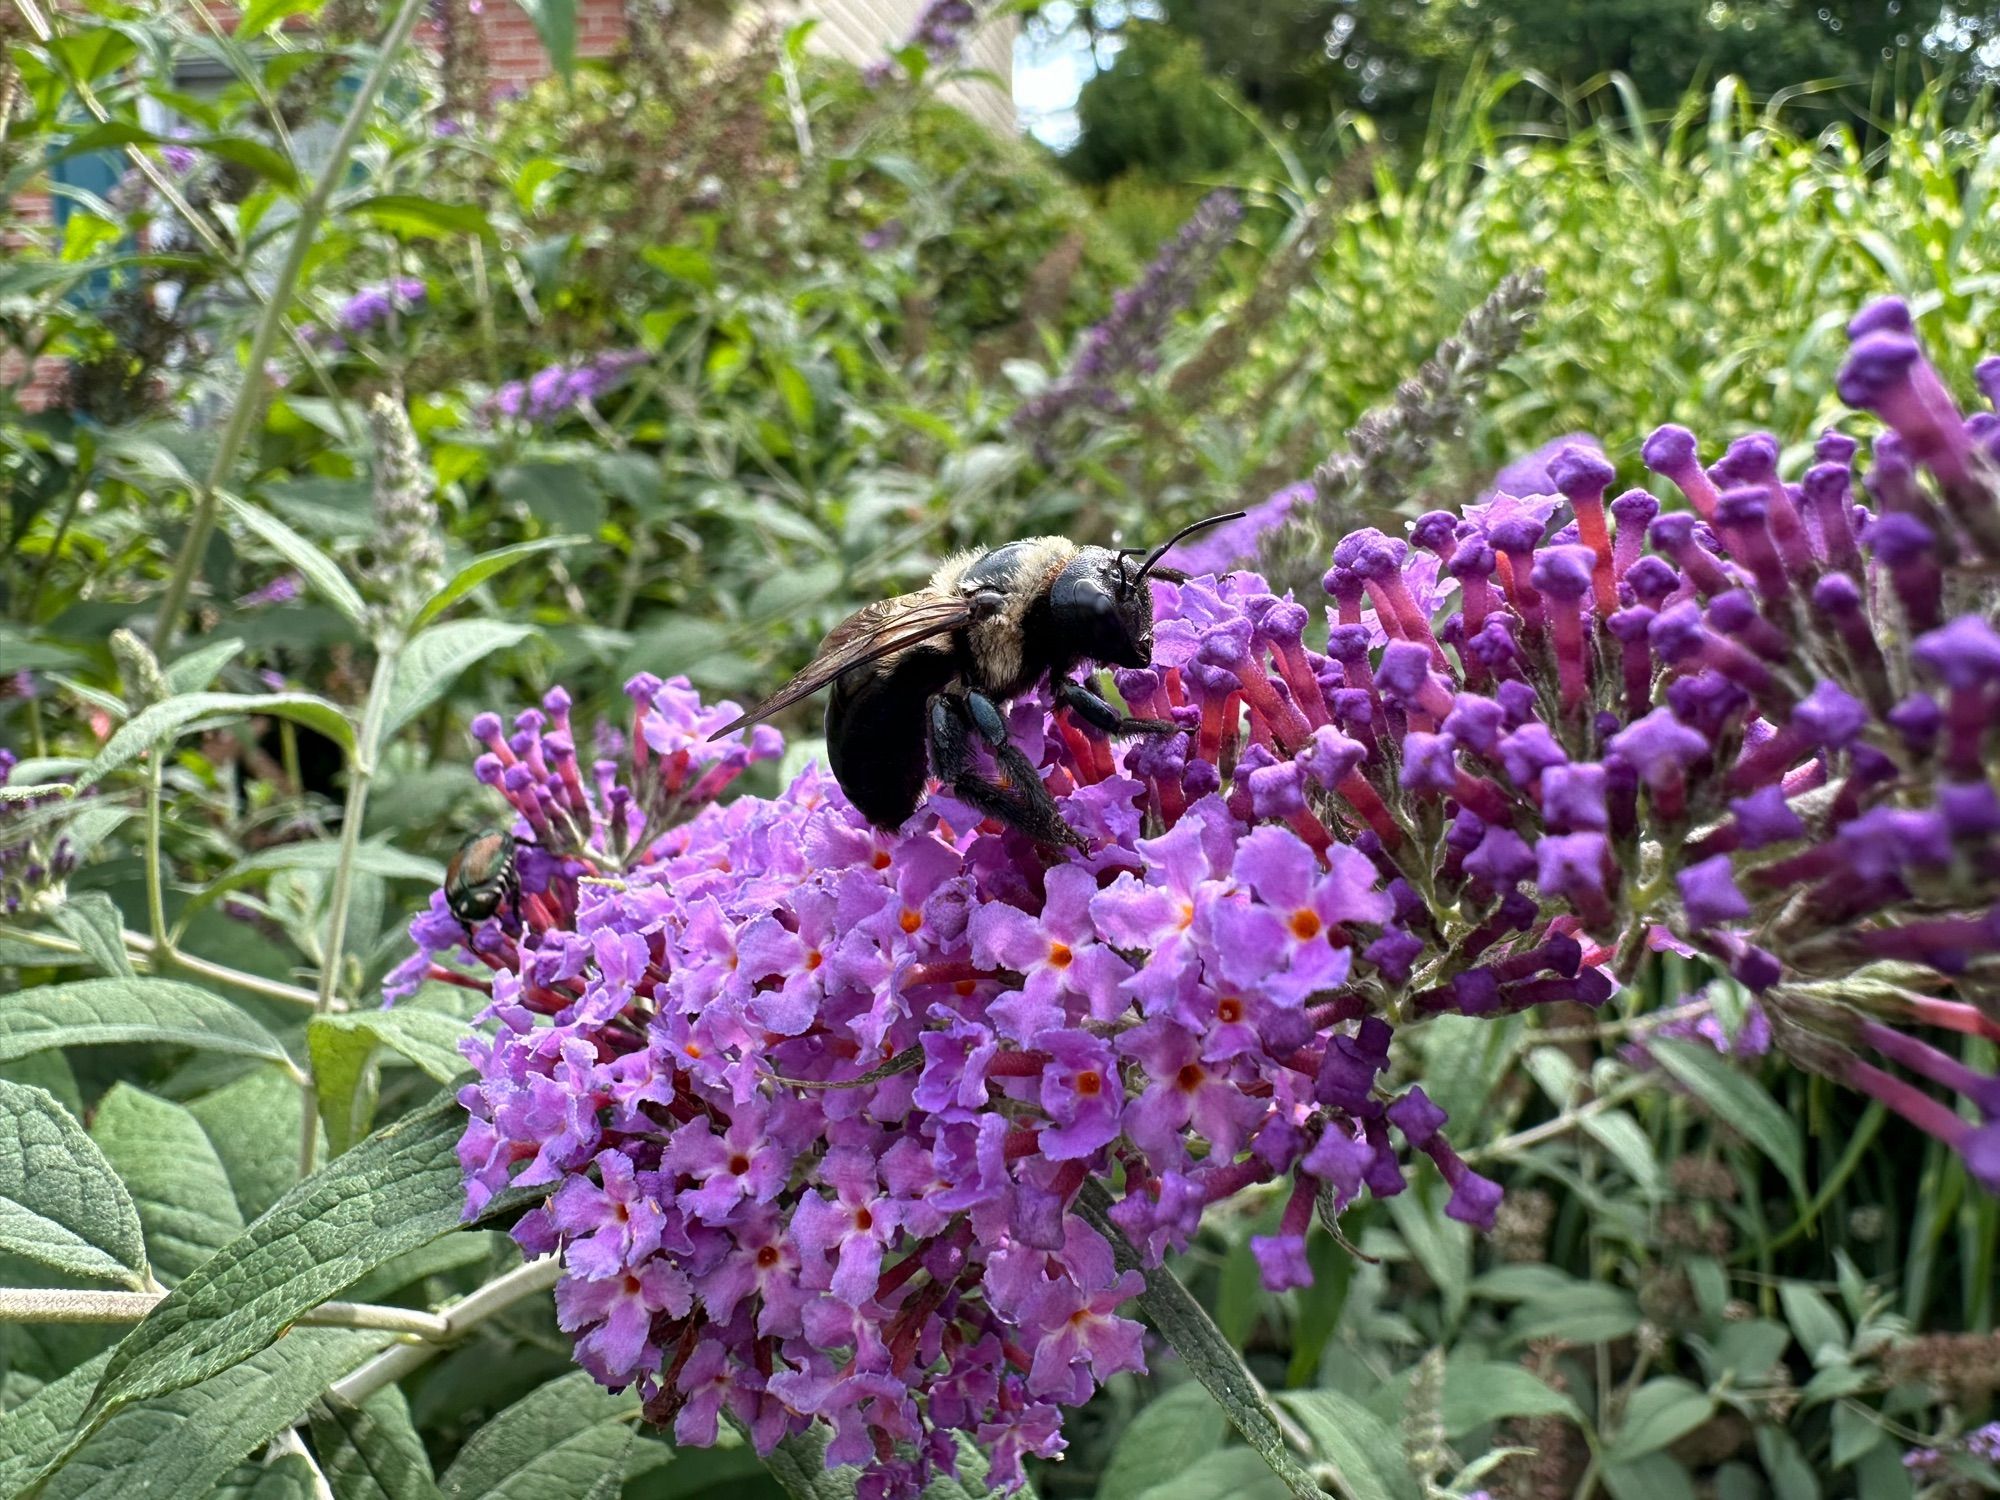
(170, 1167)
(185, 1442)
(555, 1443)
(1739, 1100)
(1660, 1412)
(397, 1190)
(94, 924)
(432, 661)
(60, 1203)
(486, 565)
(1480, 1392)
(1364, 1448)
(98, 1012)
(1161, 1442)
(320, 571)
(343, 1050)
(371, 1451)
(163, 721)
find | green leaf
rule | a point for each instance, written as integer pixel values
(100, 1012)
(1586, 1313)
(1232, 1474)
(322, 856)
(240, 1119)
(342, 1050)
(163, 721)
(1660, 1412)
(1654, 1477)
(1879, 1474)
(1320, 1306)
(1855, 1431)
(1165, 1439)
(1364, 1448)
(1822, 1331)
(1620, 1134)
(371, 1451)
(242, 151)
(36, 1430)
(413, 217)
(395, 1191)
(289, 1476)
(1790, 1472)
(61, 1205)
(555, 24)
(552, 1444)
(318, 570)
(486, 565)
(94, 923)
(1741, 1101)
(168, 1164)
(260, 15)
(433, 660)
(1442, 1246)
(1743, 1353)
(1182, 1321)
(186, 1442)
(196, 670)
(1478, 1393)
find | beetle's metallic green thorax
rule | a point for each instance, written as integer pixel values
(481, 875)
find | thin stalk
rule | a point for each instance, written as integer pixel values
(249, 406)
(140, 949)
(1563, 1123)
(156, 901)
(61, 1305)
(391, 1365)
(360, 772)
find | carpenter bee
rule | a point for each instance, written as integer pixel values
(934, 670)
(481, 876)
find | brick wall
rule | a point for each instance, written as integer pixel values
(514, 53)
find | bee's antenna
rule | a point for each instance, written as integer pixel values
(1179, 536)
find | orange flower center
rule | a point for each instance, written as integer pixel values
(813, 960)
(693, 1049)
(1187, 915)
(881, 859)
(738, 1164)
(964, 986)
(767, 1257)
(1229, 1010)
(910, 920)
(863, 1220)
(1059, 955)
(1306, 924)
(1190, 1077)
(1090, 1083)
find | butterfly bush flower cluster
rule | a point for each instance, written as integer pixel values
(562, 388)
(940, 33)
(368, 310)
(1129, 339)
(811, 1103)
(35, 856)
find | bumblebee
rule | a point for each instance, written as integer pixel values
(919, 681)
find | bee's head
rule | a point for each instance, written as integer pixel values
(1102, 602)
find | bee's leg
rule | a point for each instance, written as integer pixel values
(1027, 805)
(1100, 715)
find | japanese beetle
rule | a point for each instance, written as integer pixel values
(481, 876)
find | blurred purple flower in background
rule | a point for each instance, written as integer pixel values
(1128, 341)
(561, 388)
(814, 1102)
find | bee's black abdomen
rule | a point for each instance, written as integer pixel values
(876, 732)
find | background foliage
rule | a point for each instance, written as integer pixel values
(812, 310)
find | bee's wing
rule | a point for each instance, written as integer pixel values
(869, 634)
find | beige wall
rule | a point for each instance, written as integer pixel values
(863, 30)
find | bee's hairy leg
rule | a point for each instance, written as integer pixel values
(1101, 716)
(955, 719)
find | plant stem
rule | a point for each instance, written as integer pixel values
(249, 406)
(391, 1365)
(156, 901)
(61, 1305)
(360, 772)
(144, 954)
(1563, 1123)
